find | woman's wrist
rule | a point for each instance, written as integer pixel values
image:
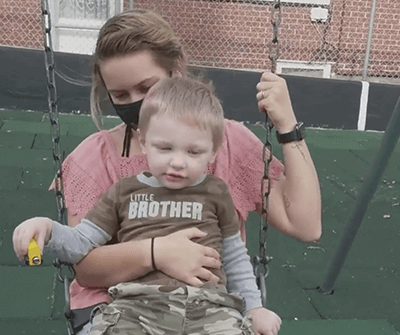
(147, 263)
(287, 127)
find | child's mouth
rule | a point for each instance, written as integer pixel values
(173, 177)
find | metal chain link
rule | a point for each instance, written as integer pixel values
(66, 279)
(262, 260)
(53, 110)
(276, 19)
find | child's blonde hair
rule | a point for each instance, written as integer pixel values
(188, 100)
(131, 31)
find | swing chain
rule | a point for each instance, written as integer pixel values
(262, 260)
(66, 279)
(276, 19)
(53, 109)
(57, 263)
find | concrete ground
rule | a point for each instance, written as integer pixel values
(367, 293)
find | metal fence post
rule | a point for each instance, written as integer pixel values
(367, 191)
(369, 40)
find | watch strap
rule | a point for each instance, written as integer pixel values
(295, 135)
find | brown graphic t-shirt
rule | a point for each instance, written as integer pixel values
(134, 209)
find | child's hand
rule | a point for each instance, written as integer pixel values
(265, 322)
(38, 228)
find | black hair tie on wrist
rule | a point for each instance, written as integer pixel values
(153, 263)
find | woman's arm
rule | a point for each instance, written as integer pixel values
(175, 254)
(295, 199)
(111, 264)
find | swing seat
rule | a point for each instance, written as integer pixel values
(78, 318)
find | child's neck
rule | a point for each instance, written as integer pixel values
(149, 179)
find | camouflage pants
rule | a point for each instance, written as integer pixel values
(156, 310)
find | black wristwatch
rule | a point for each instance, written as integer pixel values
(297, 134)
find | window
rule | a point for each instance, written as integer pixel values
(76, 23)
(307, 2)
(306, 69)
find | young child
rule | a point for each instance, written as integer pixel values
(181, 127)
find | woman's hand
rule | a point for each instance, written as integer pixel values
(175, 254)
(179, 257)
(273, 98)
(39, 228)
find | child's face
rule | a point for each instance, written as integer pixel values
(177, 154)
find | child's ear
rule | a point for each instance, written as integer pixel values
(142, 141)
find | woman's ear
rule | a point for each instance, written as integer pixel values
(213, 158)
(176, 73)
(142, 141)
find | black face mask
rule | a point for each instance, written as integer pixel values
(129, 113)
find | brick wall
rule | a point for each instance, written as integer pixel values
(20, 23)
(350, 31)
(235, 34)
(385, 56)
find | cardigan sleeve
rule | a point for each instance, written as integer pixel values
(88, 172)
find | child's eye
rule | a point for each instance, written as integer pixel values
(193, 152)
(165, 148)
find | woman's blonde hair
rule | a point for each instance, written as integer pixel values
(188, 100)
(126, 33)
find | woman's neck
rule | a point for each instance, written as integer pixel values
(117, 135)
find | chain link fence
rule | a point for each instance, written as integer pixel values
(320, 38)
(20, 24)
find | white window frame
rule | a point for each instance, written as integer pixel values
(306, 2)
(63, 24)
(289, 64)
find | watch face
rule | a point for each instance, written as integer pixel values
(301, 129)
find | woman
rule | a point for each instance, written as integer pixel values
(134, 50)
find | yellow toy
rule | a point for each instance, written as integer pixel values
(34, 255)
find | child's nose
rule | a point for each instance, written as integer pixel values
(178, 161)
